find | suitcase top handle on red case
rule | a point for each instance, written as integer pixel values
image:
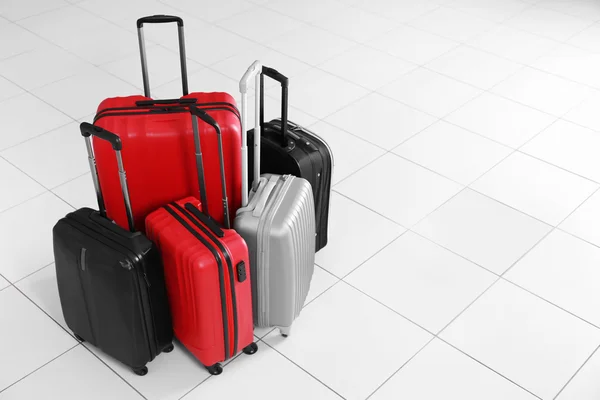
(253, 71)
(203, 115)
(161, 19)
(88, 130)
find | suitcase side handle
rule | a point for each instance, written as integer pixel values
(276, 75)
(203, 115)
(253, 72)
(159, 19)
(209, 222)
(88, 130)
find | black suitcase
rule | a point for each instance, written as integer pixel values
(110, 280)
(288, 148)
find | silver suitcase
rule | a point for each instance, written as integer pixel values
(277, 221)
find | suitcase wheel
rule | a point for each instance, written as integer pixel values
(285, 331)
(78, 337)
(216, 369)
(251, 348)
(141, 371)
(169, 348)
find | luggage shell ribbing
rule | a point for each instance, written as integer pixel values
(280, 238)
(201, 294)
(110, 280)
(207, 274)
(278, 224)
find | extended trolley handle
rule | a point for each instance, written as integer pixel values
(284, 81)
(203, 115)
(161, 19)
(88, 130)
(253, 72)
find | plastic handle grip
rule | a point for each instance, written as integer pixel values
(251, 72)
(142, 103)
(203, 115)
(159, 19)
(88, 130)
(274, 74)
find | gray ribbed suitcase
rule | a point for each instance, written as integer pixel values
(277, 221)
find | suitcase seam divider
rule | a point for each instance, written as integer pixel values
(227, 257)
(233, 108)
(158, 111)
(221, 274)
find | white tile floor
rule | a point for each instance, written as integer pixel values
(464, 251)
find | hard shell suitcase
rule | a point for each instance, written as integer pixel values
(207, 276)
(160, 141)
(278, 225)
(288, 148)
(110, 280)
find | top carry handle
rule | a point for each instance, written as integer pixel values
(203, 115)
(88, 130)
(274, 74)
(253, 71)
(161, 19)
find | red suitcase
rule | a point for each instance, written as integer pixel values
(207, 274)
(161, 165)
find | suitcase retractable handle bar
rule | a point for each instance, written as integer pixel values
(88, 130)
(161, 19)
(274, 74)
(253, 72)
(203, 115)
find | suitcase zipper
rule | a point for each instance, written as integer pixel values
(221, 274)
(158, 110)
(227, 257)
(169, 106)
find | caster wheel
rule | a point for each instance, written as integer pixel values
(216, 369)
(251, 348)
(78, 337)
(141, 371)
(169, 348)
(285, 331)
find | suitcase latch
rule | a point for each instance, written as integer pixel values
(241, 271)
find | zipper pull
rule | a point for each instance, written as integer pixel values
(146, 279)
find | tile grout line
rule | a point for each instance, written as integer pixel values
(305, 371)
(400, 368)
(84, 346)
(576, 373)
(38, 368)
(111, 369)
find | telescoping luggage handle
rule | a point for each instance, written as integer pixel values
(274, 74)
(253, 72)
(88, 130)
(161, 19)
(203, 115)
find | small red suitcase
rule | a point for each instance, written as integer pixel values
(207, 274)
(160, 141)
